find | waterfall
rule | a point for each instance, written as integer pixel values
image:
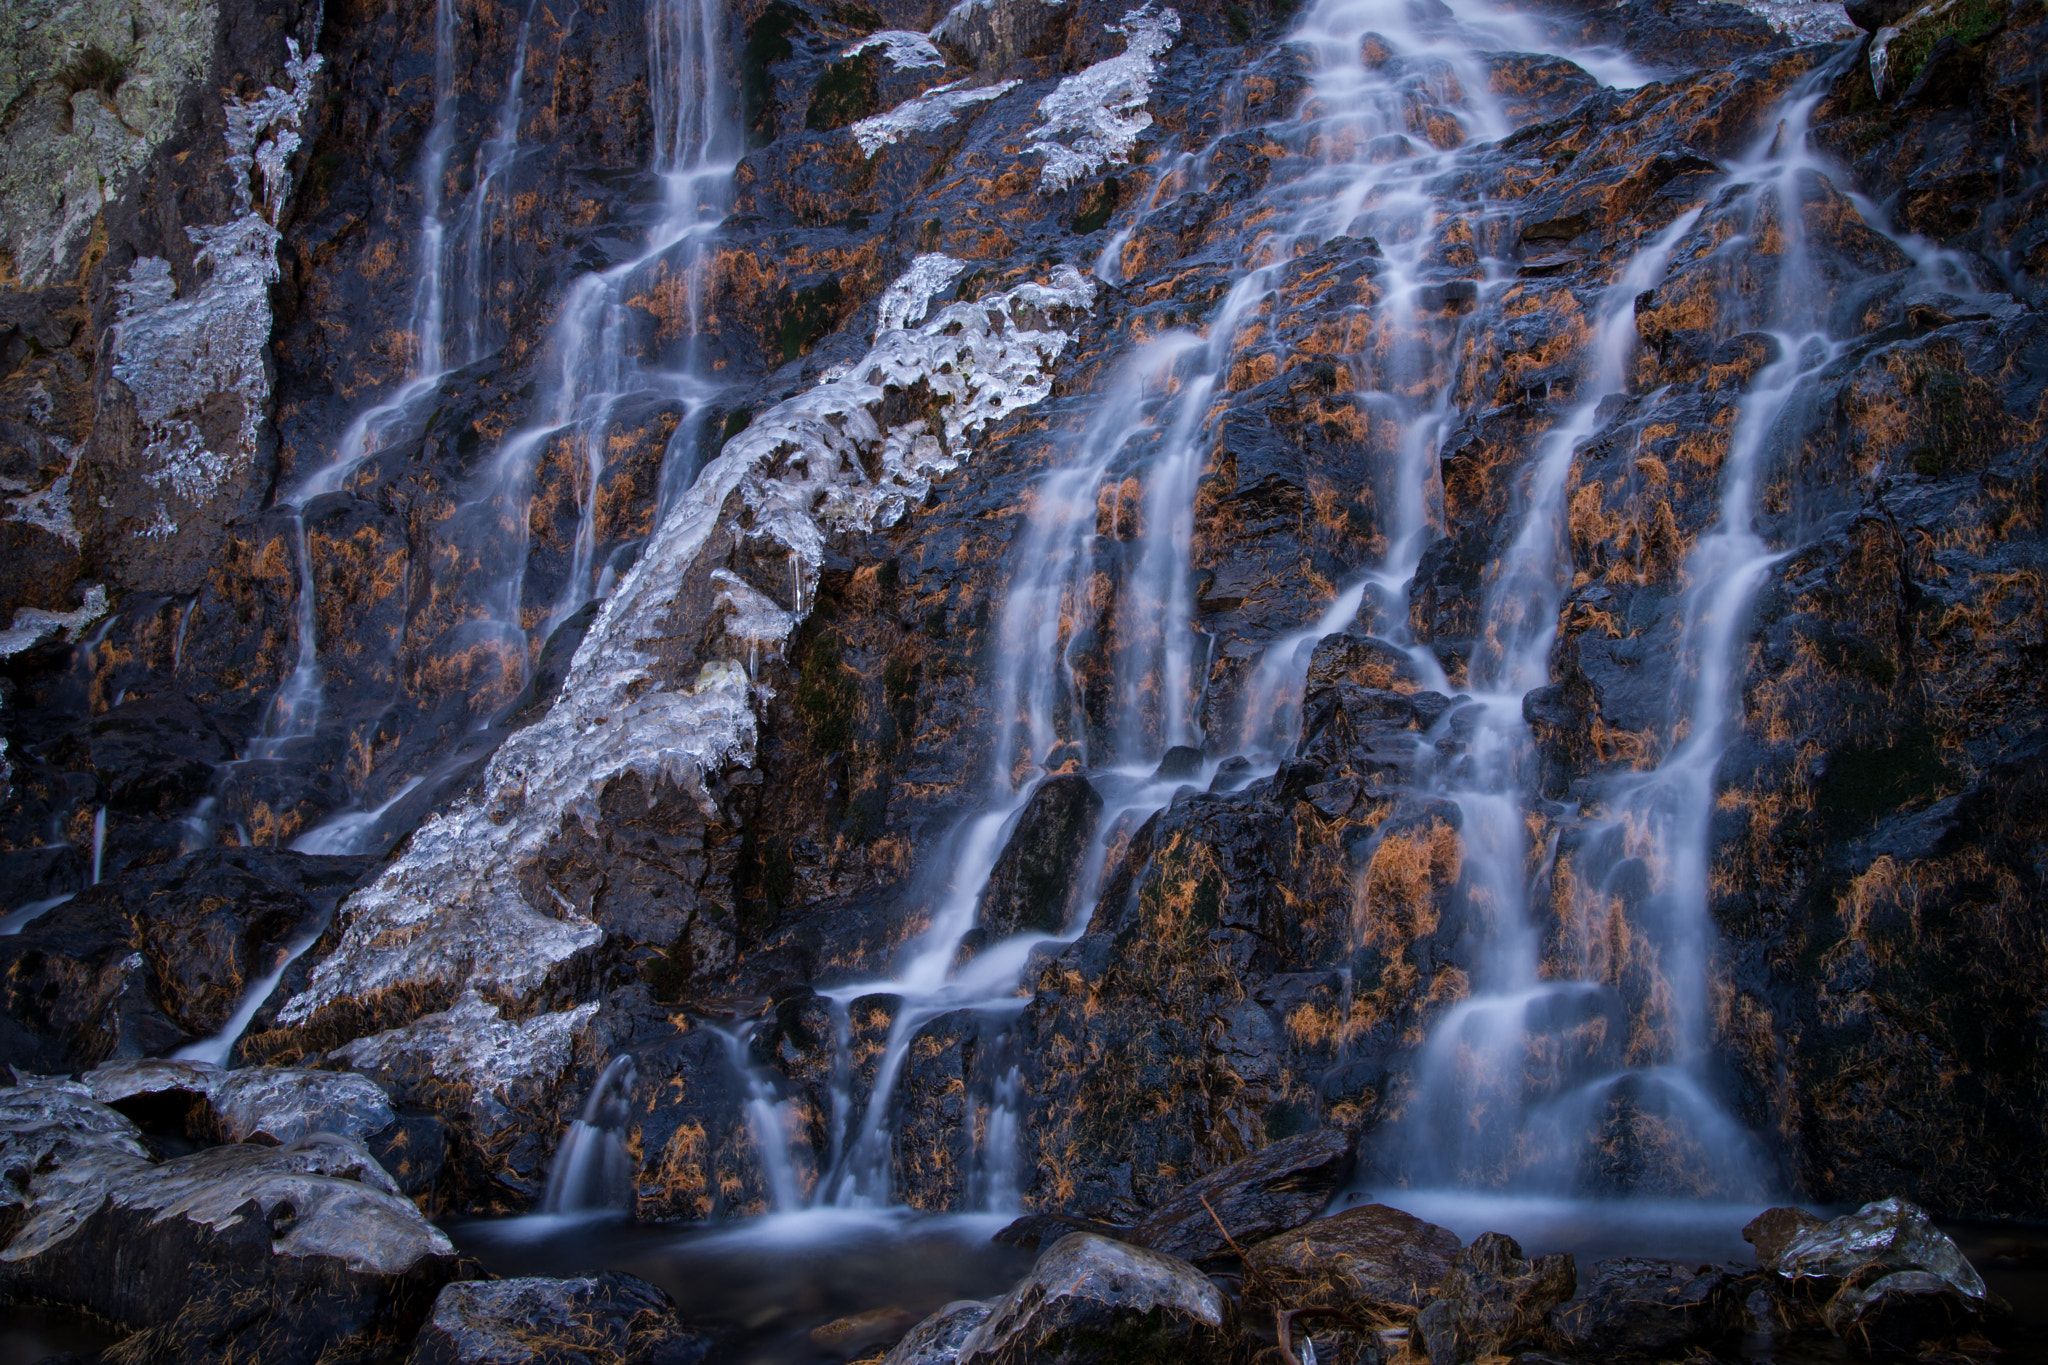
(592, 1171)
(1106, 687)
(1560, 1075)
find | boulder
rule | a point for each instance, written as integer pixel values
(1372, 1254)
(1037, 875)
(314, 1235)
(606, 1319)
(1089, 1299)
(1637, 1307)
(1277, 1188)
(937, 1340)
(1493, 1300)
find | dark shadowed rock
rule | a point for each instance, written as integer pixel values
(1178, 764)
(607, 1319)
(1771, 1231)
(1367, 1255)
(1492, 1301)
(1089, 1299)
(1035, 879)
(1653, 1309)
(1037, 1231)
(1273, 1190)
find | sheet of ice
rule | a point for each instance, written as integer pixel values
(905, 302)
(50, 508)
(1093, 118)
(32, 624)
(1805, 21)
(928, 113)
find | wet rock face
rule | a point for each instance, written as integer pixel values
(1265, 956)
(1088, 1298)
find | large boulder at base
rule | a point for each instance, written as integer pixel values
(937, 1340)
(1089, 1299)
(1368, 1255)
(607, 1319)
(1642, 1308)
(1277, 1188)
(245, 1252)
(1885, 1274)
(1493, 1300)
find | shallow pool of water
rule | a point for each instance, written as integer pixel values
(789, 1289)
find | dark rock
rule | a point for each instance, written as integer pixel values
(1771, 1231)
(1178, 764)
(1493, 1301)
(1034, 882)
(1651, 1309)
(1273, 1190)
(1089, 1299)
(607, 1319)
(1036, 1231)
(1369, 1255)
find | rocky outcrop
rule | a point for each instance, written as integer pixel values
(313, 1233)
(1037, 877)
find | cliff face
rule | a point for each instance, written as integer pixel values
(1447, 573)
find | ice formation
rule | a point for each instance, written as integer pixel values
(454, 908)
(1093, 118)
(177, 355)
(50, 508)
(905, 302)
(32, 623)
(928, 113)
(905, 50)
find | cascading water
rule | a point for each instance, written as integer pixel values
(1106, 685)
(1584, 1066)
(592, 1171)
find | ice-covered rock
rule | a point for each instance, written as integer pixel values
(937, 1340)
(928, 113)
(182, 358)
(242, 1251)
(604, 1319)
(1088, 1299)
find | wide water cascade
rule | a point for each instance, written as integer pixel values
(1104, 669)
